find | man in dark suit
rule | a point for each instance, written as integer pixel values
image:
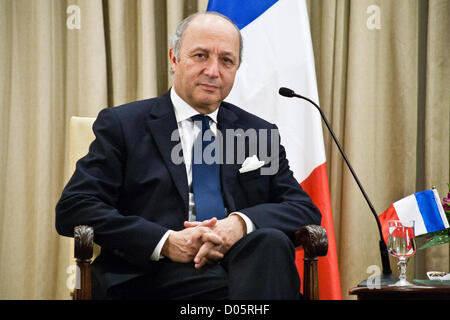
(168, 231)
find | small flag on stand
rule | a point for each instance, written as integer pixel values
(424, 207)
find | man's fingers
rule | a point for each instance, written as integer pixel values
(214, 255)
(200, 259)
(203, 251)
(213, 238)
(207, 252)
(206, 223)
(191, 224)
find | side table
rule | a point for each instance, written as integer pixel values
(415, 292)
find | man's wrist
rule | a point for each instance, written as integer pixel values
(249, 226)
(161, 247)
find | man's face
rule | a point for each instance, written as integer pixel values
(208, 60)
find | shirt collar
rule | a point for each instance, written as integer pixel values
(184, 111)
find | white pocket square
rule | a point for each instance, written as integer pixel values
(250, 164)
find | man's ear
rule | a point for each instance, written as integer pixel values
(173, 60)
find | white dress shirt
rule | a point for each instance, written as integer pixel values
(188, 132)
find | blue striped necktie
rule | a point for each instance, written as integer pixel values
(206, 174)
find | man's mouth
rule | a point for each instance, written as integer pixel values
(209, 86)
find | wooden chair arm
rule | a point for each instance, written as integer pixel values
(314, 241)
(312, 238)
(84, 248)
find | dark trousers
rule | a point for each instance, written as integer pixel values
(259, 266)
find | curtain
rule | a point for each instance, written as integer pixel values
(383, 77)
(60, 59)
(383, 74)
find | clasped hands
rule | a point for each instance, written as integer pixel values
(204, 242)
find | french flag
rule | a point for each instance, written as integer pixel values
(424, 207)
(278, 53)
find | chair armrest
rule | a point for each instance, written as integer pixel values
(84, 247)
(314, 241)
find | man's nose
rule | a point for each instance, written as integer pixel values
(212, 68)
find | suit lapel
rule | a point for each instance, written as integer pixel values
(162, 125)
(227, 120)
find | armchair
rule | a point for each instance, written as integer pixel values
(313, 239)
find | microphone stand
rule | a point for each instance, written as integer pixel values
(386, 278)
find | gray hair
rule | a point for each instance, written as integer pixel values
(175, 40)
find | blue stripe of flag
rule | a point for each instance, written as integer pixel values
(429, 211)
(241, 12)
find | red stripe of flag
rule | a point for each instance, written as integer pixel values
(389, 214)
(316, 185)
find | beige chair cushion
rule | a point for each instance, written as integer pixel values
(80, 137)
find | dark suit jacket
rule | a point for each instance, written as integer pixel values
(128, 189)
